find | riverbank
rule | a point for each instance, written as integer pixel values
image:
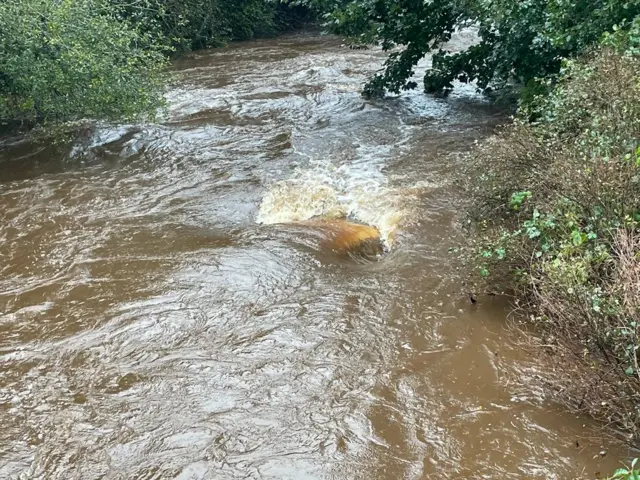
(557, 214)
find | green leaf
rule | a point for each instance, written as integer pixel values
(577, 237)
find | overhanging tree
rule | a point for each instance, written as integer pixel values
(519, 40)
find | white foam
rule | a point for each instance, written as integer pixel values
(330, 192)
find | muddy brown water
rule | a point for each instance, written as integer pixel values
(164, 313)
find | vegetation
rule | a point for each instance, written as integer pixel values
(627, 473)
(72, 59)
(558, 206)
(68, 59)
(204, 23)
(64, 60)
(520, 41)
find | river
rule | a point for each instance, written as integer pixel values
(167, 311)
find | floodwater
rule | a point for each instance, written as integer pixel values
(168, 311)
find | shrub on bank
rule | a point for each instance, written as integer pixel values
(72, 59)
(196, 24)
(558, 209)
(64, 60)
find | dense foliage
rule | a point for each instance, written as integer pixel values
(558, 205)
(72, 59)
(203, 23)
(519, 40)
(63, 60)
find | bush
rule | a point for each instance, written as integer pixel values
(71, 59)
(205, 23)
(558, 207)
(64, 60)
(183, 25)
